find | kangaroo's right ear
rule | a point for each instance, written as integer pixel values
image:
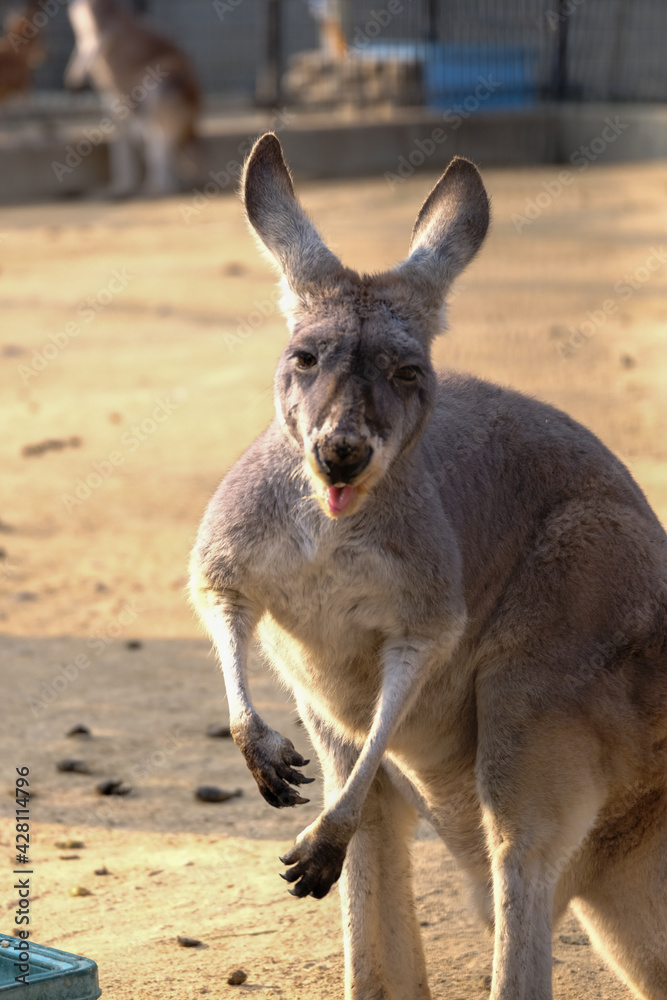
(279, 221)
(450, 228)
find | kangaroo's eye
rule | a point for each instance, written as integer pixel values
(408, 373)
(305, 360)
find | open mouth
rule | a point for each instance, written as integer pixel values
(340, 497)
(331, 487)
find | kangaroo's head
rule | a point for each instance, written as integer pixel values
(355, 387)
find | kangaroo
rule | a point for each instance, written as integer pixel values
(21, 51)
(148, 86)
(467, 594)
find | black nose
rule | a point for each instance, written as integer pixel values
(342, 461)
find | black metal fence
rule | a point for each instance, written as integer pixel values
(434, 53)
(534, 50)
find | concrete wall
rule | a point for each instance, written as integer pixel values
(69, 164)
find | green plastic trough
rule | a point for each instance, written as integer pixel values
(53, 974)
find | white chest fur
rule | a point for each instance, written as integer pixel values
(84, 26)
(89, 45)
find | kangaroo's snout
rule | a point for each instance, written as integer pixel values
(341, 460)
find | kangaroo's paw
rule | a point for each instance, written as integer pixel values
(317, 857)
(272, 759)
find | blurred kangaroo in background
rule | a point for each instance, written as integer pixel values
(148, 86)
(467, 594)
(21, 51)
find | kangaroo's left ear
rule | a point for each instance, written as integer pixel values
(279, 221)
(449, 230)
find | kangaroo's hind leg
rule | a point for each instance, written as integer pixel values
(384, 958)
(541, 791)
(123, 164)
(624, 909)
(159, 151)
(166, 123)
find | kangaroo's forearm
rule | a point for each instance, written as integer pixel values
(405, 668)
(231, 618)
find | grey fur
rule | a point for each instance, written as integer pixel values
(476, 635)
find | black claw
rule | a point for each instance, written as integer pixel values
(288, 774)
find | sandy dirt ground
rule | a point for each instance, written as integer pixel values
(143, 337)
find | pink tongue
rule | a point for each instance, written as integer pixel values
(339, 497)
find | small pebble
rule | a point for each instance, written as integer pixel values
(79, 730)
(111, 787)
(134, 644)
(69, 857)
(576, 939)
(79, 890)
(188, 942)
(51, 444)
(219, 732)
(78, 766)
(102, 871)
(236, 978)
(234, 268)
(70, 845)
(209, 793)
